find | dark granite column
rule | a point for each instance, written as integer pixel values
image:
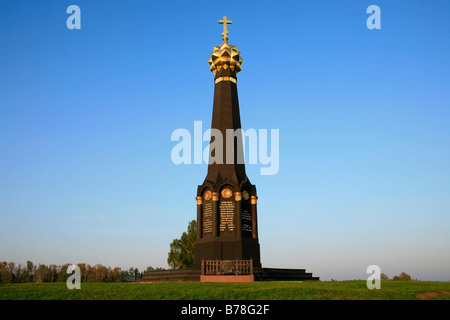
(228, 176)
(215, 214)
(253, 201)
(238, 214)
(199, 218)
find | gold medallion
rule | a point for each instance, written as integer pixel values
(245, 195)
(227, 193)
(208, 195)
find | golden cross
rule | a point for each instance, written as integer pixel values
(225, 31)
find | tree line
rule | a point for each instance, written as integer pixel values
(403, 276)
(31, 273)
(181, 255)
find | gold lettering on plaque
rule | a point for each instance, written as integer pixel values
(226, 216)
(207, 217)
(246, 221)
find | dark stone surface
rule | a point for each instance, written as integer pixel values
(226, 116)
(172, 275)
(277, 274)
(260, 274)
(227, 239)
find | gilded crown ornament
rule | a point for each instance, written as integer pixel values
(226, 55)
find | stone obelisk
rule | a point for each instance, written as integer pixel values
(226, 201)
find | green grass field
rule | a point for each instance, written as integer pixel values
(339, 290)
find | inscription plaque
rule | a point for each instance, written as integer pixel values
(207, 217)
(246, 221)
(227, 215)
(246, 215)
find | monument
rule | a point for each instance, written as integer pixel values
(226, 201)
(227, 242)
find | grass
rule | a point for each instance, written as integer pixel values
(339, 290)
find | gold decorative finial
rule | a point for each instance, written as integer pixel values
(225, 31)
(226, 55)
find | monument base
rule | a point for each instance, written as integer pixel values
(228, 278)
(171, 275)
(278, 274)
(259, 274)
(246, 248)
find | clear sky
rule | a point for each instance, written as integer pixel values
(86, 118)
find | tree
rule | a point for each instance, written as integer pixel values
(53, 273)
(130, 275)
(28, 273)
(116, 274)
(137, 274)
(181, 254)
(40, 273)
(402, 277)
(62, 275)
(10, 274)
(18, 272)
(7, 272)
(384, 277)
(82, 267)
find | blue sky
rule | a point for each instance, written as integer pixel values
(86, 118)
